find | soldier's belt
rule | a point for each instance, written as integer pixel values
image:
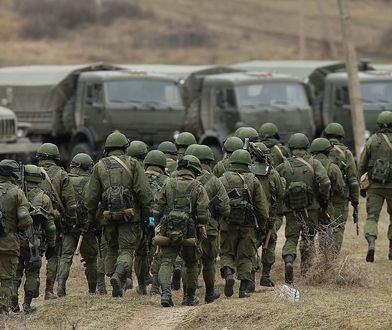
(124, 215)
(166, 241)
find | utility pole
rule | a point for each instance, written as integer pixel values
(301, 30)
(357, 117)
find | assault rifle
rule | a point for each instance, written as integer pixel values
(355, 218)
(255, 152)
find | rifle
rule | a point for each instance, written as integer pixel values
(355, 218)
(33, 244)
(255, 152)
(214, 203)
(77, 251)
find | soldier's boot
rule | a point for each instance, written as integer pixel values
(27, 307)
(229, 281)
(141, 288)
(61, 287)
(243, 292)
(371, 248)
(128, 283)
(252, 282)
(390, 250)
(117, 281)
(49, 290)
(176, 280)
(166, 296)
(288, 269)
(266, 279)
(211, 293)
(154, 290)
(192, 299)
(101, 286)
(15, 303)
(92, 287)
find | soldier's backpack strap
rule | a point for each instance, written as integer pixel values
(56, 194)
(387, 141)
(246, 187)
(303, 161)
(279, 151)
(340, 150)
(118, 160)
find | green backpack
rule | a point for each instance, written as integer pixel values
(79, 185)
(380, 170)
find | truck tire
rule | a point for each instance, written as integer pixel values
(81, 148)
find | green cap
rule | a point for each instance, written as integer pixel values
(33, 174)
(384, 119)
(232, 144)
(334, 129)
(185, 139)
(204, 153)
(190, 162)
(268, 130)
(247, 132)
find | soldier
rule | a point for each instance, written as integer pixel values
(154, 164)
(269, 135)
(343, 157)
(219, 207)
(247, 133)
(274, 190)
(138, 150)
(59, 188)
(32, 242)
(307, 190)
(330, 224)
(14, 216)
(182, 212)
(170, 151)
(79, 177)
(376, 161)
(119, 183)
(183, 141)
(231, 144)
(248, 212)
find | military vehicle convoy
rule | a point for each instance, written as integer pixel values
(76, 107)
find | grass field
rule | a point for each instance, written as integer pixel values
(362, 305)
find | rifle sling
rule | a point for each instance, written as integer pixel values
(56, 194)
(118, 160)
(387, 140)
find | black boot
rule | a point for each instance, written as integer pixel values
(155, 285)
(49, 291)
(176, 280)
(252, 282)
(288, 268)
(27, 307)
(61, 287)
(211, 293)
(101, 286)
(390, 250)
(371, 248)
(128, 283)
(166, 297)
(243, 293)
(192, 299)
(229, 281)
(141, 288)
(92, 287)
(266, 279)
(117, 281)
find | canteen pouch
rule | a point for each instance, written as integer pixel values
(380, 171)
(298, 196)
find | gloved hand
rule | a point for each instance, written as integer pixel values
(363, 193)
(50, 251)
(202, 231)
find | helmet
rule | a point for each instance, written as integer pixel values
(33, 173)
(168, 147)
(262, 147)
(116, 140)
(137, 149)
(204, 152)
(247, 132)
(11, 163)
(384, 119)
(320, 145)
(240, 156)
(239, 124)
(298, 141)
(83, 161)
(334, 129)
(155, 158)
(233, 143)
(268, 130)
(191, 149)
(190, 162)
(48, 151)
(185, 139)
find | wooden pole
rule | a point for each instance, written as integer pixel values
(357, 117)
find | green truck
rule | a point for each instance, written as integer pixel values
(77, 106)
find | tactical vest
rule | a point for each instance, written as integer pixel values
(380, 164)
(79, 184)
(54, 173)
(4, 225)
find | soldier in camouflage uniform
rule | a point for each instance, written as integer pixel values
(219, 207)
(44, 232)
(330, 223)
(343, 157)
(269, 135)
(119, 183)
(59, 188)
(307, 190)
(138, 150)
(231, 144)
(248, 213)
(14, 217)
(79, 177)
(170, 151)
(183, 141)
(376, 161)
(182, 211)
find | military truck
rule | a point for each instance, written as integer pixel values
(224, 99)
(77, 106)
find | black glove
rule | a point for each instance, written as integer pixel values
(50, 251)
(354, 204)
(363, 193)
(324, 204)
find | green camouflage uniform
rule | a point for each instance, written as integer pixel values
(277, 150)
(222, 166)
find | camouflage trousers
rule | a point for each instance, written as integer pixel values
(51, 265)
(102, 252)
(208, 259)
(144, 253)
(8, 266)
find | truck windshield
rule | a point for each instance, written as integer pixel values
(374, 92)
(272, 93)
(143, 91)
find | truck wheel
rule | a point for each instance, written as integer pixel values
(81, 148)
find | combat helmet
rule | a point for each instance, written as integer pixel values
(191, 149)
(269, 130)
(190, 162)
(82, 161)
(48, 151)
(247, 132)
(204, 153)
(168, 147)
(334, 129)
(232, 144)
(33, 174)
(384, 119)
(116, 140)
(137, 149)
(320, 145)
(13, 166)
(155, 158)
(185, 139)
(298, 141)
(241, 157)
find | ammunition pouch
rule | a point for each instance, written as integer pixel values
(381, 171)
(117, 216)
(299, 196)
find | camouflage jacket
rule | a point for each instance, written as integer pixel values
(171, 165)
(221, 167)
(278, 151)
(156, 179)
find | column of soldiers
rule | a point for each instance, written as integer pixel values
(168, 214)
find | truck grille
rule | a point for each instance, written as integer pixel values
(7, 130)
